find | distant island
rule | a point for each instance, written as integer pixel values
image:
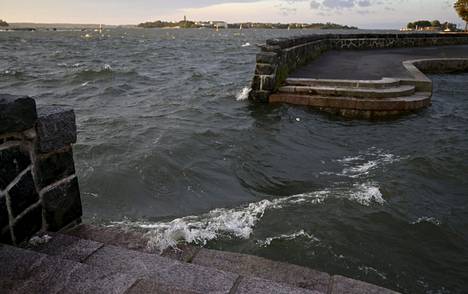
(187, 24)
(3, 23)
(435, 25)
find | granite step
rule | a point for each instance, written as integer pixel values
(155, 272)
(403, 90)
(370, 84)
(25, 271)
(240, 264)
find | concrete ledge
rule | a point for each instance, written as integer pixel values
(280, 56)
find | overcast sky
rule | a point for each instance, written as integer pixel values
(362, 13)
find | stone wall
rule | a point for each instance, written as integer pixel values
(38, 186)
(281, 56)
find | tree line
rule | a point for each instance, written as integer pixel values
(3, 23)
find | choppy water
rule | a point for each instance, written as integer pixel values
(168, 144)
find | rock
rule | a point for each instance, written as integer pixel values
(17, 113)
(56, 128)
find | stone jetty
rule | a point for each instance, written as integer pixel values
(360, 75)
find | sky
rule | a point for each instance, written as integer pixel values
(382, 14)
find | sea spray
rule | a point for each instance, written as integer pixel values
(243, 94)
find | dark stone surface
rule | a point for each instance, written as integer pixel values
(56, 128)
(28, 224)
(148, 286)
(111, 236)
(13, 161)
(16, 263)
(4, 219)
(62, 205)
(255, 285)
(5, 236)
(247, 265)
(346, 285)
(54, 167)
(25, 271)
(17, 113)
(23, 194)
(66, 247)
(162, 270)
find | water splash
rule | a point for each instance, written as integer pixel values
(243, 94)
(239, 222)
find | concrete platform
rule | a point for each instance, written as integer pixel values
(372, 64)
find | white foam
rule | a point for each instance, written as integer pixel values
(240, 222)
(362, 164)
(426, 219)
(366, 193)
(243, 94)
(267, 242)
(246, 44)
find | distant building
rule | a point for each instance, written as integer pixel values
(219, 24)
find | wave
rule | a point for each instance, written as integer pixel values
(426, 219)
(362, 164)
(243, 94)
(299, 234)
(240, 222)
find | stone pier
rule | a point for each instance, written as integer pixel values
(38, 186)
(315, 71)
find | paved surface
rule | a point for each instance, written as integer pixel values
(372, 64)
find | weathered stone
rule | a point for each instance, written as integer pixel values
(56, 128)
(162, 270)
(4, 218)
(255, 285)
(54, 167)
(28, 224)
(5, 236)
(13, 160)
(23, 194)
(346, 285)
(112, 236)
(17, 263)
(247, 265)
(38, 273)
(148, 286)
(62, 205)
(17, 113)
(267, 57)
(65, 246)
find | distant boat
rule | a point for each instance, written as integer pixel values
(447, 30)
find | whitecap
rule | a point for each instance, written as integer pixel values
(240, 222)
(366, 193)
(243, 94)
(426, 219)
(246, 44)
(299, 234)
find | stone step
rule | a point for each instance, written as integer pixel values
(154, 271)
(397, 104)
(25, 271)
(240, 264)
(371, 84)
(399, 91)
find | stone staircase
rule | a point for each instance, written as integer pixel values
(90, 259)
(365, 98)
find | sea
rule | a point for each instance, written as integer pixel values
(169, 144)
